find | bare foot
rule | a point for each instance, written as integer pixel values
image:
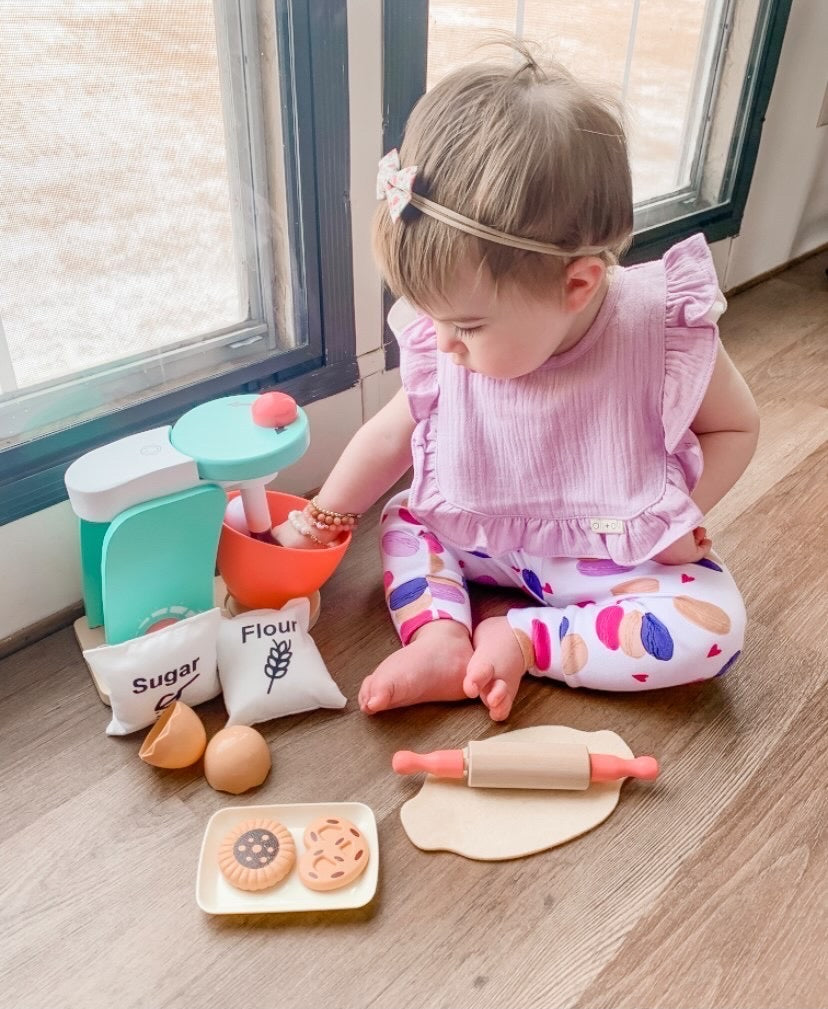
(430, 667)
(496, 668)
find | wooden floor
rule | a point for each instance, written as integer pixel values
(705, 890)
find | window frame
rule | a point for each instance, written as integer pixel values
(313, 71)
(724, 220)
(405, 33)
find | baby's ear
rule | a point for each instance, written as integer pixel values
(583, 278)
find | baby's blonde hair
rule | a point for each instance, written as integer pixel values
(520, 146)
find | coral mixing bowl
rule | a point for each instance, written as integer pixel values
(265, 575)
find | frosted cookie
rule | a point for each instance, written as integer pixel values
(337, 853)
(257, 854)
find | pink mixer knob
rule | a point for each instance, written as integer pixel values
(274, 409)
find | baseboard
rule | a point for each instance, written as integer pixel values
(41, 629)
(769, 274)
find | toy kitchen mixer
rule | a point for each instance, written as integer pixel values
(152, 516)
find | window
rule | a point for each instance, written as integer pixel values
(170, 217)
(695, 78)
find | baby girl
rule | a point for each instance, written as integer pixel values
(569, 421)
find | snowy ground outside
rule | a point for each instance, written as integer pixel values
(115, 221)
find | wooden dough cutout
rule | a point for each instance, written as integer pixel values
(492, 824)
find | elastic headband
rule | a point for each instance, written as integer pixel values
(394, 184)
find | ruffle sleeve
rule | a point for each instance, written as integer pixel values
(417, 339)
(694, 304)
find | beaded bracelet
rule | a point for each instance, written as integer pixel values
(295, 519)
(323, 518)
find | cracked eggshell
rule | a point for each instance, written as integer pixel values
(176, 740)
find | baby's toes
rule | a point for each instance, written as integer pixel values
(498, 700)
(364, 696)
(374, 695)
(479, 676)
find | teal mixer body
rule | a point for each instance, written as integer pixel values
(151, 508)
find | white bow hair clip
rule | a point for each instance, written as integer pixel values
(394, 183)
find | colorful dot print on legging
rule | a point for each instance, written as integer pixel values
(599, 625)
(423, 580)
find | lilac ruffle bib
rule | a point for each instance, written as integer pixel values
(591, 455)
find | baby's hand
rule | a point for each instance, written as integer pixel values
(690, 548)
(285, 535)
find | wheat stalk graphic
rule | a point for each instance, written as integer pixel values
(277, 662)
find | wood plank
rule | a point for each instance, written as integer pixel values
(802, 376)
(745, 921)
(770, 319)
(790, 431)
(706, 888)
(776, 552)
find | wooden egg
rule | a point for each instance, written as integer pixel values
(237, 758)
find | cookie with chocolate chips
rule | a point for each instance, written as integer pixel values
(257, 854)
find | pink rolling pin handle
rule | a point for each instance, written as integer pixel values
(604, 767)
(442, 763)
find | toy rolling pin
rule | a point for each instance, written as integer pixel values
(489, 763)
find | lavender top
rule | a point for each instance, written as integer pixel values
(591, 455)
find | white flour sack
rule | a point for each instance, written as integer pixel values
(270, 666)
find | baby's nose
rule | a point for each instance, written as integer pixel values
(447, 340)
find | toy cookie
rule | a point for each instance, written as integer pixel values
(257, 854)
(337, 853)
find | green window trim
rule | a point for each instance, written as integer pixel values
(314, 81)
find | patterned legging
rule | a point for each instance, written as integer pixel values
(597, 624)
